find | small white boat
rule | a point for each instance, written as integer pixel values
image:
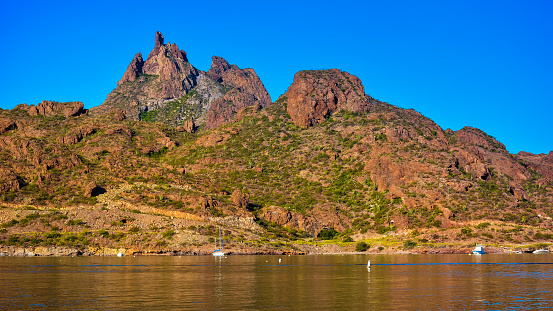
(119, 254)
(541, 251)
(478, 250)
(221, 251)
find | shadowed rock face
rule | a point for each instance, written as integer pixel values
(316, 94)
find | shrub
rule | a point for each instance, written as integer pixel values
(10, 223)
(409, 244)
(168, 234)
(75, 222)
(361, 246)
(483, 225)
(347, 239)
(327, 234)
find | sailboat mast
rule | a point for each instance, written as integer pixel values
(221, 237)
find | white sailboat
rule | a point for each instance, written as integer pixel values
(221, 251)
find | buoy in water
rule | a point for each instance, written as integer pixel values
(369, 265)
(279, 260)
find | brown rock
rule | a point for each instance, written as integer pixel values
(189, 126)
(134, 70)
(51, 108)
(118, 115)
(240, 199)
(8, 180)
(474, 136)
(7, 125)
(246, 89)
(78, 134)
(290, 219)
(316, 94)
(518, 192)
(165, 75)
(89, 189)
(322, 217)
(541, 163)
(212, 139)
(159, 40)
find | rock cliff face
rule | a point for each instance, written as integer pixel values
(316, 94)
(167, 88)
(244, 89)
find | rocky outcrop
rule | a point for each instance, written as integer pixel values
(78, 134)
(176, 75)
(474, 136)
(189, 126)
(7, 125)
(245, 90)
(240, 199)
(541, 163)
(52, 108)
(8, 180)
(322, 218)
(316, 94)
(92, 190)
(134, 70)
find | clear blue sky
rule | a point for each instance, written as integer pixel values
(486, 64)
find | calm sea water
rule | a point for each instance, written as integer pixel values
(322, 282)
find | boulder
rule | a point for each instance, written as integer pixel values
(92, 190)
(240, 199)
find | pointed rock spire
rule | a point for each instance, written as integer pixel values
(218, 66)
(159, 42)
(159, 38)
(133, 70)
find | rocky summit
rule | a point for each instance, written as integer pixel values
(174, 153)
(166, 88)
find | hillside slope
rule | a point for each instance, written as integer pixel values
(322, 168)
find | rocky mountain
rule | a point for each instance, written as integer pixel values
(166, 88)
(324, 162)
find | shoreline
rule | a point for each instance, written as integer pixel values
(60, 251)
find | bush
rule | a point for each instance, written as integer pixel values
(168, 234)
(75, 222)
(409, 244)
(327, 234)
(361, 246)
(483, 225)
(347, 239)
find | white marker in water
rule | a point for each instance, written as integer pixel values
(369, 264)
(279, 260)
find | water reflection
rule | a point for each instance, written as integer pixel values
(262, 282)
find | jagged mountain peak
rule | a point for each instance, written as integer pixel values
(167, 88)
